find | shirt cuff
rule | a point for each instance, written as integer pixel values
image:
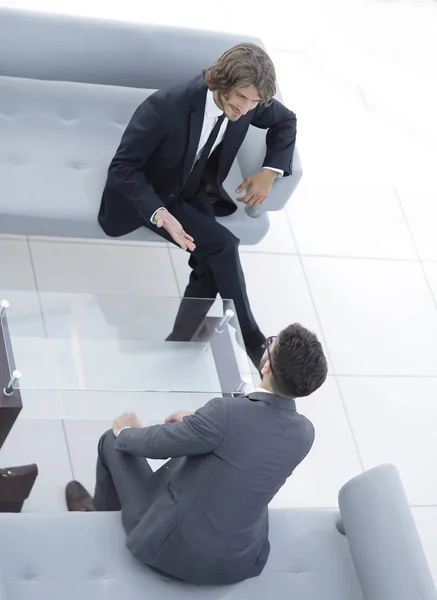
(127, 427)
(280, 172)
(152, 218)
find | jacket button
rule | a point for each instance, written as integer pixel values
(172, 195)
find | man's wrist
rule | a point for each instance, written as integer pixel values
(153, 217)
(120, 430)
(275, 172)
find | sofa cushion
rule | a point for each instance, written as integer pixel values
(83, 555)
(56, 142)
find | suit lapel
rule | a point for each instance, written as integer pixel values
(196, 121)
(234, 131)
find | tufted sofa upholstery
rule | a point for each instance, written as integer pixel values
(58, 139)
(82, 556)
(73, 556)
(68, 87)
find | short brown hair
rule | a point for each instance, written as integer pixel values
(299, 365)
(242, 65)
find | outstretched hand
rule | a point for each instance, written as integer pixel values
(174, 228)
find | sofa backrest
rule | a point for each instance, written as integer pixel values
(66, 48)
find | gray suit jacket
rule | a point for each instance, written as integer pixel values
(206, 519)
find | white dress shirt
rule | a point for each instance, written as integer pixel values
(212, 113)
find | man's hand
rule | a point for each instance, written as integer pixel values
(125, 420)
(258, 187)
(177, 417)
(174, 228)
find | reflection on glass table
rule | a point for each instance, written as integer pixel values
(85, 345)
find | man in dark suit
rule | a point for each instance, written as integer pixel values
(203, 516)
(168, 171)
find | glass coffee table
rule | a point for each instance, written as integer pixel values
(95, 356)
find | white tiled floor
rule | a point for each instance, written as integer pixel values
(59, 266)
(278, 291)
(364, 221)
(393, 420)
(431, 274)
(16, 271)
(40, 441)
(278, 239)
(373, 314)
(420, 207)
(333, 459)
(344, 258)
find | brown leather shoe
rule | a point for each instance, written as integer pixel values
(78, 499)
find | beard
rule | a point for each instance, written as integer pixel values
(226, 107)
(262, 364)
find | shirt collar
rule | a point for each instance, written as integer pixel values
(273, 399)
(212, 111)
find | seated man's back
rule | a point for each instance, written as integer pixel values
(216, 527)
(206, 517)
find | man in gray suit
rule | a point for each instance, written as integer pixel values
(203, 516)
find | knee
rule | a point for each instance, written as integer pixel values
(107, 439)
(220, 241)
(230, 241)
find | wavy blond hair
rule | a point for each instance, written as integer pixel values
(243, 65)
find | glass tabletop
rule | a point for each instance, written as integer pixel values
(102, 342)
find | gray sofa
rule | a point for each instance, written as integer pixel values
(68, 87)
(73, 556)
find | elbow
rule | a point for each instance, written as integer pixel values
(118, 168)
(291, 117)
(292, 123)
(115, 175)
(121, 172)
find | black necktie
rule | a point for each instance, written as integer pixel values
(195, 177)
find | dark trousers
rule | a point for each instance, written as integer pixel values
(216, 269)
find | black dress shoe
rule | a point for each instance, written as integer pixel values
(78, 498)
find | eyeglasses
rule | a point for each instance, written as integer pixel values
(269, 342)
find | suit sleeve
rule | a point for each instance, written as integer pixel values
(199, 433)
(281, 135)
(144, 133)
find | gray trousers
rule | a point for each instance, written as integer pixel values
(121, 484)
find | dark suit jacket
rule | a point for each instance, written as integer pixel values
(206, 519)
(158, 149)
